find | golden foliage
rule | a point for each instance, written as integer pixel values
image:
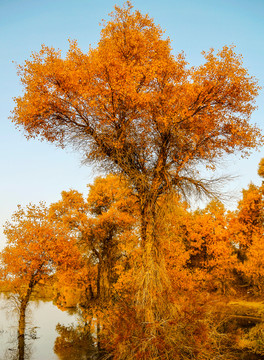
(35, 247)
(132, 107)
(129, 104)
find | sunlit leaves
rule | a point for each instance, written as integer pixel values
(129, 104)
(35, 247)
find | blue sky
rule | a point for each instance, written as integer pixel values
(32, 171)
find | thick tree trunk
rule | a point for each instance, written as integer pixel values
(154, 308)
(103, 285)
(105, 268)
(153, 280)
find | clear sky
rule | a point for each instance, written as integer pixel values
(32, 171)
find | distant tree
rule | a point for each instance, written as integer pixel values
(261, 168)
(98, 225)
(248, 219)
(246, 230)
(212, 254)
(35, 247)
(101, 226)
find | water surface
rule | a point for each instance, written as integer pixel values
(41, 330)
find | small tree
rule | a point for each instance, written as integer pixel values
(98, 224)
(248, 219)
(246, 229)
(35, 247)
(212, 255)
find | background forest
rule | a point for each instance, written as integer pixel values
(85, 253)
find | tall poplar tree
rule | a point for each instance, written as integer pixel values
(131, 106)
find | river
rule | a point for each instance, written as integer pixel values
(42, 319)
(46, 340)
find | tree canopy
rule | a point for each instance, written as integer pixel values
(131, 105)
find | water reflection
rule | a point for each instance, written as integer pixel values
(39, 340)
(17, 348)
(56, 335)
(75, 343)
